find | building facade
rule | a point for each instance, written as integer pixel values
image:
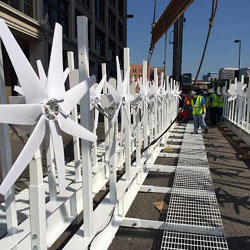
(211, 76)
(137, 69)
(246, 73)
(227, 73)
(32, 23)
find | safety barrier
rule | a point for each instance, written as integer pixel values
(35, 218)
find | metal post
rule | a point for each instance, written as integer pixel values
(51, 166)
(112, 161)
(37, 204)
(248, 108)
(74, 116)
(138, 145)
(145, 110)
(6, 158)
(106, 122)
(177, 50)
(155, 104)
(83, 59)
(127, 123)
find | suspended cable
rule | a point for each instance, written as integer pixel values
(211, 22)
(165, 55)
(151, 48)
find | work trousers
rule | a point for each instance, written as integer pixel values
(213, 115)
(199, 120)
(219, 114)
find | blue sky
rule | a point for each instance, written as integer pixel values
(232, 22)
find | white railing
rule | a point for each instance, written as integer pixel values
(50, 212)
(237, 105)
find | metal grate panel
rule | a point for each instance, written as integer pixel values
(191, 179)
(188, 241)
(194, 208)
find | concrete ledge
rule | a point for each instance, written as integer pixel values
(243, 135)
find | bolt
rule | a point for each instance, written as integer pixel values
(34, 237)
(134, 224)
(35, 247)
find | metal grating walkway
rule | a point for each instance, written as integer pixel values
(193, 218)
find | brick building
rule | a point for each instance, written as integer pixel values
(32, 23)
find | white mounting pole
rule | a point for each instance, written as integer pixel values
(6, 158)
(156, 105)
(106, 121)
(127, 123)
(37, 204)
(83, 59)
(248, 108)
(138, 144)
(51, 166)
(145, 110)
(113, 161)
(74, 116)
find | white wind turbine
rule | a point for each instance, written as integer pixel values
(236, 90)
(45, 103)
(176, 91)
(143, 92)
(156, 91)
(120, 95)
(95, 99)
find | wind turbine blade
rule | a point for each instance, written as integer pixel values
(22, 114)
(55, 84)
(19, 90)
(41, 72)
(99, 87)
(74, 129)
(116, 95)
(116, 113)
(96, 119)
(129, 98)
(74, 95)
(25, 156)
(126, 81)
(119, 77)
(65, 74)
(30, 83)
(59, 153)
(232, 98)
(129, 122)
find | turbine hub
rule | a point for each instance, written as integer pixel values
(51, 109)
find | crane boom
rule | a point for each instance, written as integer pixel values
(173, 11)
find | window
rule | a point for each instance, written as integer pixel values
(111, 22)
(99, 9)
(121, 4)
(120, 32)
(111, 50)
(121, 56)
(13, 3)
(58, 12)
(112, 2)
(100, 43)
(88, 3)
(26, 6)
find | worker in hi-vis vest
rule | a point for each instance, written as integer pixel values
(220, 105)
(206, 97)
(213, 106)
(199, 112)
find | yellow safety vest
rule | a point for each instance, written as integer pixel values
(207, 101)
(215, 100)
(197, 107)
(220, 101)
